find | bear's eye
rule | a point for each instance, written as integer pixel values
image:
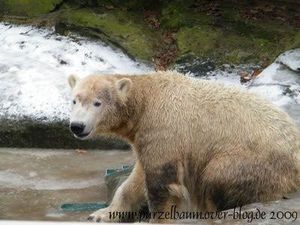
(97, 104)
(74, 102)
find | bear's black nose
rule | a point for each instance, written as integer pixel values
(77, 128)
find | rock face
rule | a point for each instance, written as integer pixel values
(224, 31)
(281, 83)
(30, 8)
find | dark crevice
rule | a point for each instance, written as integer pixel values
(58, 6)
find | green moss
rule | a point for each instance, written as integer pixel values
(172, 15)
(198, 40)
(177, 14)
(30, 8)
(230, 47)
(120, 27)
(295, 40)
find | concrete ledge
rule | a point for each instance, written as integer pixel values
(30, 133)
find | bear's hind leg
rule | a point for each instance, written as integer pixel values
(238, 179)
(165, 190)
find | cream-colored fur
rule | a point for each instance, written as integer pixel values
(199, 145)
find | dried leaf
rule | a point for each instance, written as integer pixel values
(80, 151)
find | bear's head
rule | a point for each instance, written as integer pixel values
(98, 104)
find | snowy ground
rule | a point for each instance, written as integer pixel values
(35, 63)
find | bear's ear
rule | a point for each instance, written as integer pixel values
(123, 86)
(73, 79)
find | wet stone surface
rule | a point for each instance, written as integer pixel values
(286, 211)
(34, 183)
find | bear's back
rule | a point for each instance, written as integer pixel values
(207, 112)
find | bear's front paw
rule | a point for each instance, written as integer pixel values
(102, 215)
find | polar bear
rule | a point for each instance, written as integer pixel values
(198, 144)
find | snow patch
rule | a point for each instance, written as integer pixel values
(280, 83)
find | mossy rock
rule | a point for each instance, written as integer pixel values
(178, 14)
(118, 27)
(173, 16)
(198, 40)
(222, 34)
(128, 4)
(28, 8)
(233, 47)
